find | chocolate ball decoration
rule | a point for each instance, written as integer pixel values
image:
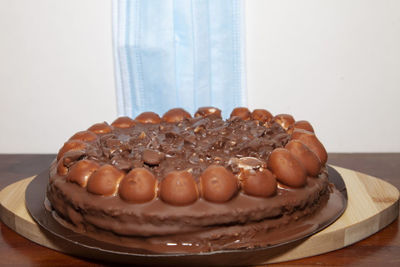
(70, 145)
(148, 117)
(123, 122)
(176, 115)
(284, 120)
(84, 136)
(259, 183)
(152, 157)
(71, 156)
(80, 172)
(287, 168)
(104, 181)
(218, 184)
(310, 161)
(305, 125)
(61, 169)
(206, 111)
(261, 115)
(312, 142)
(100, 128)
(138, 186)
(178, 188)
(241, 112)
(298, 132)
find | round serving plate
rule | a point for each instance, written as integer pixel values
(84, 246)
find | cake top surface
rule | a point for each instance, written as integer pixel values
(179, 158)
(191, 144)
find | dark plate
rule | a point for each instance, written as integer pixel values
(83, 246)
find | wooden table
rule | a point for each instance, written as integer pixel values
(380, 249)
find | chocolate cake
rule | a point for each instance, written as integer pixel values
(189, 184)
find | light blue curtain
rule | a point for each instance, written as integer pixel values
(178, 53)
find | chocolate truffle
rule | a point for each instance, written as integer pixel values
(152, 157)
(218, 184)
(284, 120)
(261, 115)
(312, 142)
(305, 125)
(61, 169)
(176, 115)
(138, 186)
(287, 168)
(104, 181)
(206, 111)
(148, 117)
(123, 122)
(178, 188)
(84, 136)
(100, 128)
(70, 145)
(258, 183)
(310, 161)
(80, 172)
(241, 112)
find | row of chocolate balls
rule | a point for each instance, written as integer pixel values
(216, 183)
(178, 114)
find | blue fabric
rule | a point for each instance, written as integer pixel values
(178, 53)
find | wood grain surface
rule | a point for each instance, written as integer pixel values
(382, 247)
(372, 205)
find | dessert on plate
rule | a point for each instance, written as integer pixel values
(183, 183)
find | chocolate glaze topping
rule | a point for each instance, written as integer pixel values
(190, 144)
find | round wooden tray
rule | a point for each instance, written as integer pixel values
(372, 205)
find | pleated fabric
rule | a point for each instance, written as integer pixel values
(178, 53)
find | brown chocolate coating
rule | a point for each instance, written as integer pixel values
(71, 156)
(104, 181)
(287, 168)
(178, 188)
(206, 111)
(298, 132)
(312, 142)
(70, 145)
(123, 122)
(241, 112)
(80, 172)
(259, 183)
(305, 125)
(148, 117)
(176, 115)
(61, 169)
(84, 136)
(218, 184)
(138, 186)
(285, 120)
(152, 157)
(261, 115)
(100, 128)
(310, 161)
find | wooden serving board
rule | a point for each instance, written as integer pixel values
(372, 205)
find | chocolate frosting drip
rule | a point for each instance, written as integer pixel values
(190, 144)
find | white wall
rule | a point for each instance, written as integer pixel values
(335, 63)
(56, 71)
